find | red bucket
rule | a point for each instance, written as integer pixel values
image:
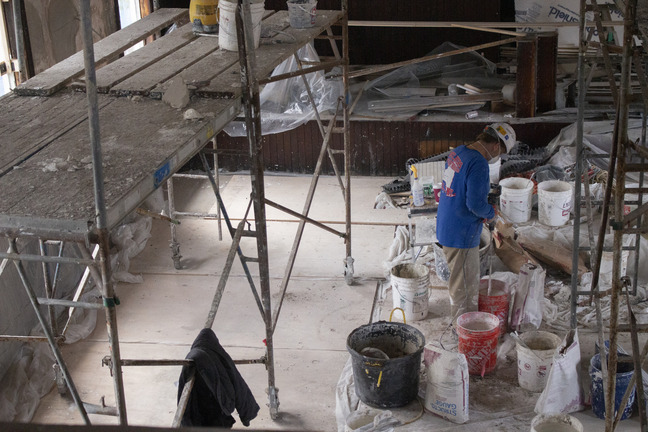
(497, 303)
(478, 333)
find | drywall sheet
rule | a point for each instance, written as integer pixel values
(561, 11)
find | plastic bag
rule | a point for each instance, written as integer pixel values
(446, 392)
(285, 104)
(563, 393)
(529, 298)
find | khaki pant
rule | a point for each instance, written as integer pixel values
(463, 284)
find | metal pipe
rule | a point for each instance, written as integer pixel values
(100, 207)
(250, 86)
(20, 39)
(69, 303)
(48, 334)
(48, 259)
(347, 142)
(48, 288)
(304, 218)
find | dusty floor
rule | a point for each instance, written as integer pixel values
(159, 318)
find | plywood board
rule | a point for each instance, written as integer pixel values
(54, 78)
(268, 56)
(134, 62)
(166, 68)
(28, 124)
(202, 72)
(138, 138)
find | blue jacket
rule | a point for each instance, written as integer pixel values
(463, 203)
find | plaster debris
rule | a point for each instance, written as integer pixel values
(192, 114)
(177, 95)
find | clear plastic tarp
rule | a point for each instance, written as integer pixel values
(406, 91)
(285, 104)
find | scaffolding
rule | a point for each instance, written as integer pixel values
(96, 231)
(625, 157)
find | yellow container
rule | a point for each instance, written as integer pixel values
(204, 15)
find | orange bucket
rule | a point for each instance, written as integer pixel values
(497, 303)
(478, 333)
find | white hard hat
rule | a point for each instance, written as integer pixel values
(504, 132)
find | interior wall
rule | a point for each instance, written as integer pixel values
(382, 45)
(378, 147)
(54, 28)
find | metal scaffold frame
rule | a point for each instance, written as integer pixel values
(620, 163)
(97, 262)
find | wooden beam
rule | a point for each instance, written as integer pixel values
(53, 79)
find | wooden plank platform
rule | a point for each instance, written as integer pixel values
(53, 79)
(46, 181)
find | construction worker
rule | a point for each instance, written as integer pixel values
(464, 207)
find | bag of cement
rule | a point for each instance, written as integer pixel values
(563, 393)
(446, 391)
(529, 298)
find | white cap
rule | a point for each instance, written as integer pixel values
(504, 132)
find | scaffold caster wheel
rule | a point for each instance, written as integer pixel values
(348, 271)
(175, 250)
(61, 385)
(273, 399)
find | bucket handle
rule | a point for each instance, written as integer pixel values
(392, 314)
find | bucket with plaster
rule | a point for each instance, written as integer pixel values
(496, 303)
(515, 200)
(386, 360)
(227, 38)
(554, 202)
(410, 290)
(302, 13)
(494, 171)
(556, 423)
(535, 359)
(478, 333)
(624, 373)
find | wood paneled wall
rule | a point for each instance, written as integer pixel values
(382, 45)
(378, 148)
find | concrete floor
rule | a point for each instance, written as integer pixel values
(160, 318)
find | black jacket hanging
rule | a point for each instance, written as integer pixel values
(219, 388)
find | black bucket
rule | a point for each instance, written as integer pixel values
(382, 382)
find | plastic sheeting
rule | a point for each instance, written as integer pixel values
(285, 104)
(442, 74)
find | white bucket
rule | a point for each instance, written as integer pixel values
(554, 202)
(227, 38)
(556, 423)
(515, 200)
(410, 290)
(534, 362)
(302, 13)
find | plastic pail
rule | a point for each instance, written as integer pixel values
(534, 362)
(515, 200)
(497, 303)
(623, 376)
(410, 289)
(302, 13)
(227, 39)
(555, 423)
(554, 202)
(478, 333)
(386, 382)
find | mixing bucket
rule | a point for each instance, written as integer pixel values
(535, 360)
(515, 200)
(301, 13)
(478, 333)
(227, 38)
(623, 376)
(390, 380)
(556, 423)
(554, 202)
(497, 303)
(410, 290)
